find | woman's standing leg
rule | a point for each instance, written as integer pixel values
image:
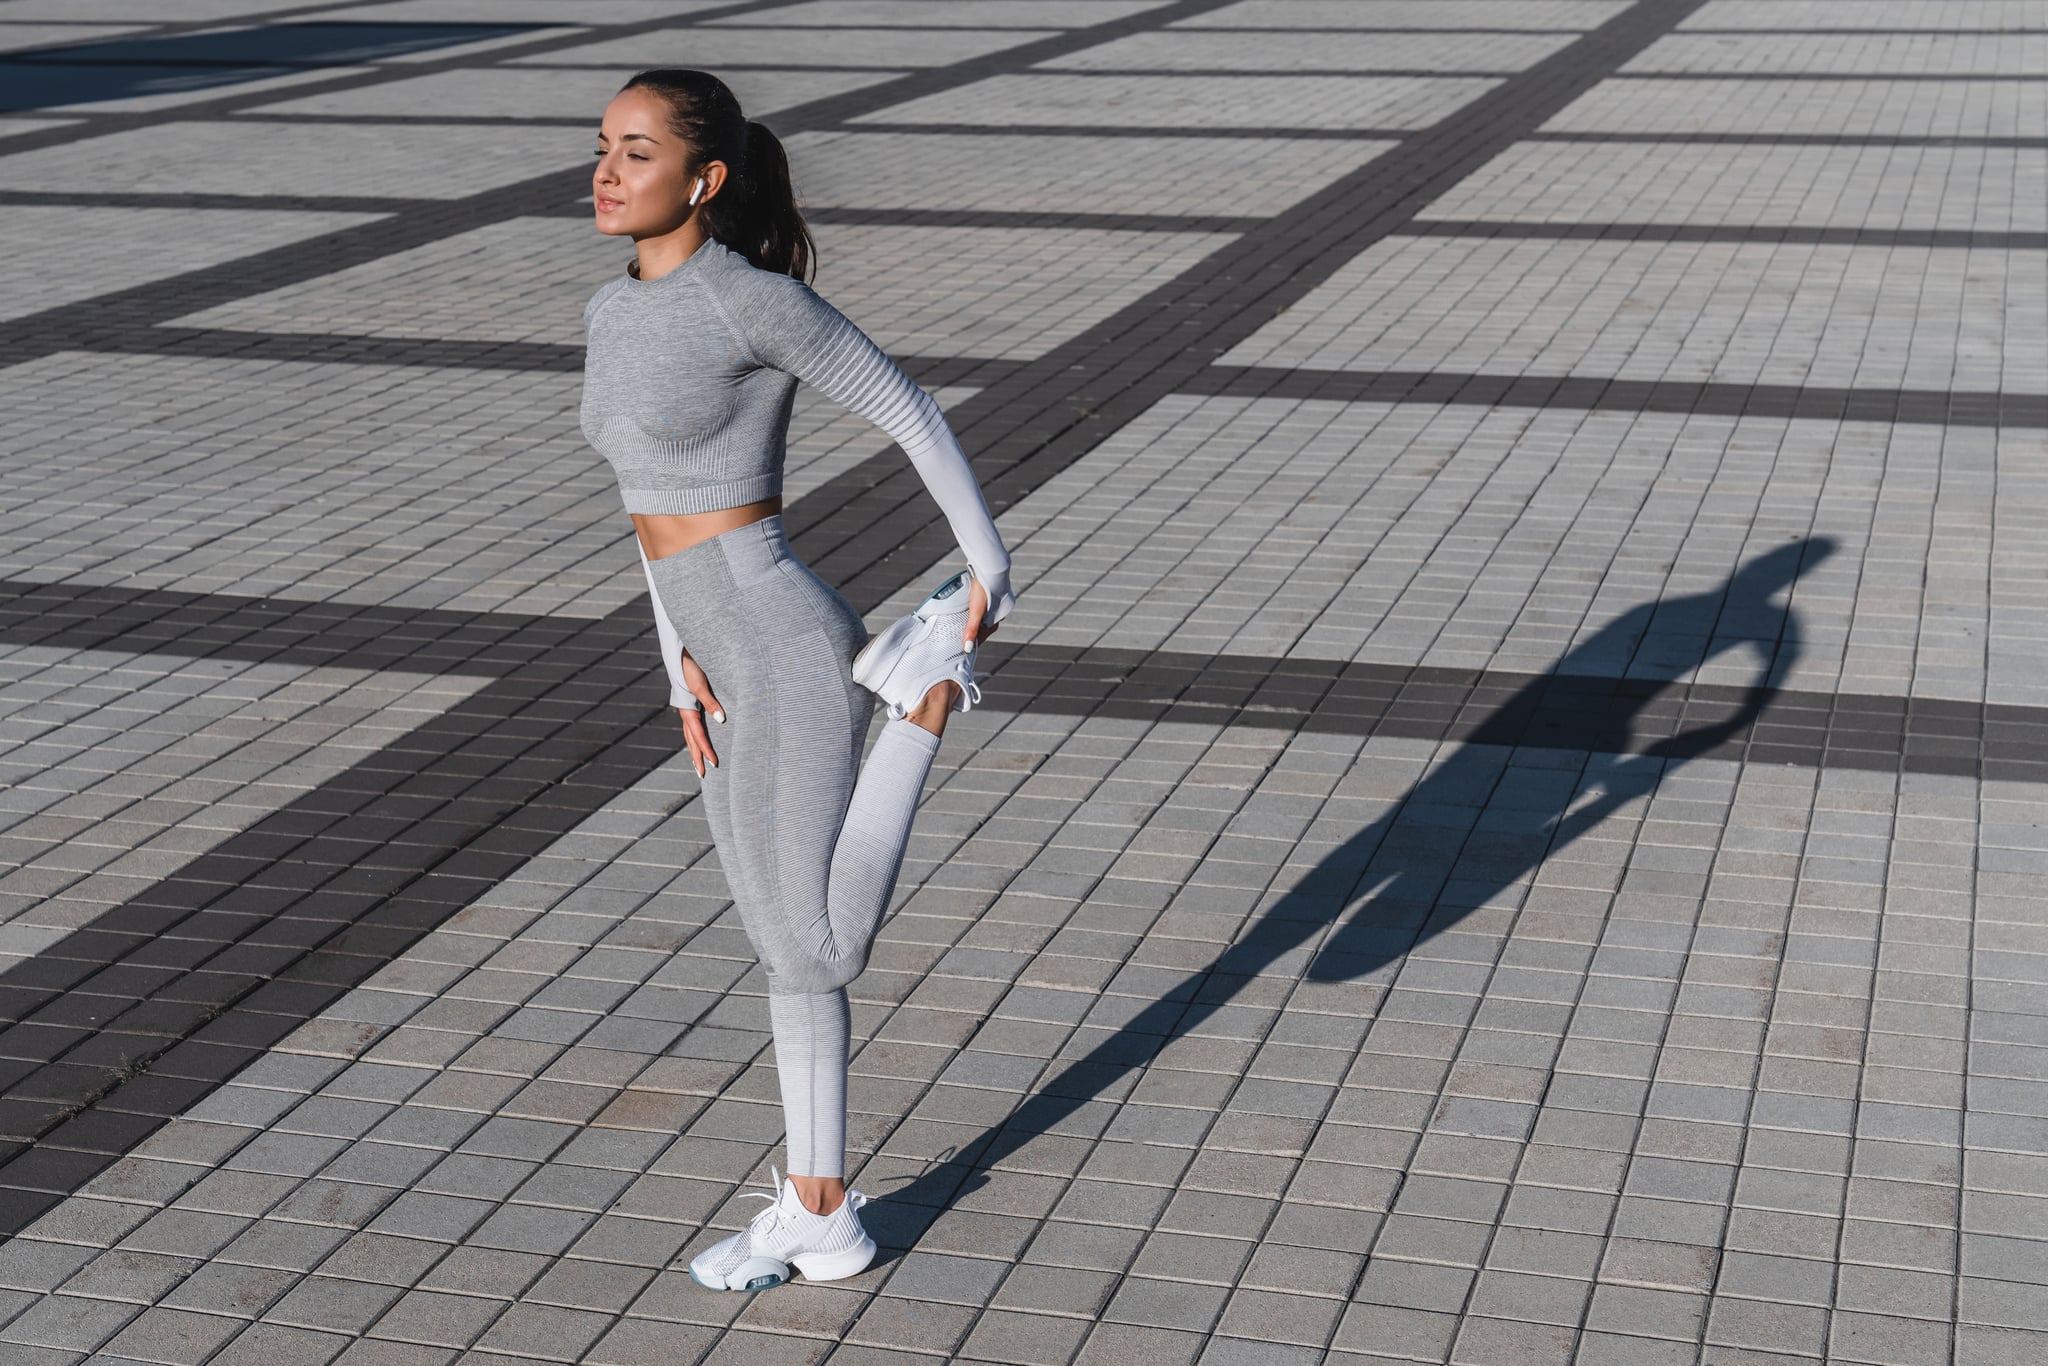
(811, 839)
(813, 1029)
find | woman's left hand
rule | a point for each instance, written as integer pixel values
(977, 607)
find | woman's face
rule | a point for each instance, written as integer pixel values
(642, 182)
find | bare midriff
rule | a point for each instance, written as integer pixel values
(662, 536)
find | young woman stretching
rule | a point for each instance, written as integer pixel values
(694, 357)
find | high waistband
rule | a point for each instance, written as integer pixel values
(737, 558)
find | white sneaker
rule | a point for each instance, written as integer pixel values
(825, 1247)
(921, 651)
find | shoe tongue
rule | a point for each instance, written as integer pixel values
(791, 1202)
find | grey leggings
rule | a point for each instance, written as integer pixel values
(810, 839)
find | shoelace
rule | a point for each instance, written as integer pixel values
(764, 1224)
(773, 1214)
(971, 693)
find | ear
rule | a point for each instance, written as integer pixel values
(711, 176)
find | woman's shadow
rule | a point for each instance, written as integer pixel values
(1413, 873)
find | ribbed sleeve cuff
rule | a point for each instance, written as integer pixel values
(996, 583)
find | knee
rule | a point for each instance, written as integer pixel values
(802, 974)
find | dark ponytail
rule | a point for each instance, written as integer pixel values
(755, 212)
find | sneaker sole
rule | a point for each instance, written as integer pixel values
(764, 1282)
(836, 1266)
(866, 663)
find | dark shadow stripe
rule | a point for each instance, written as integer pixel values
(1491, 30)
(1356, 73)
(805, 68)
(1147, 685)
(1825, 76)
(1944, 238)
(1225, 72)
(1552, 711)
(1735, 139)
(1053, 219)
(1988, 33)
(1961, 408)
(109, 121)
(1267, 31)
(274, 203)
(1455, 31)
(300, 41)
(339, 348)
(110, 68)
(160, 28)
(1949, 407)
(260, 117)
(278, 630)
(1126, 130)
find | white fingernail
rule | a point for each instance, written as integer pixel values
(714, 763)
(719, 717)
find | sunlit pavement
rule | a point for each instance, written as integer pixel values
(1507, 826)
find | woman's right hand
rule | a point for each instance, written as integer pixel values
(694, 733)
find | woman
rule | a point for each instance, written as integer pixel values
(694, 357)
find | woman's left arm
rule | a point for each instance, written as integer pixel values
(793, 330)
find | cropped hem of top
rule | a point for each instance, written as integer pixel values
(714, 498)
(688, 384)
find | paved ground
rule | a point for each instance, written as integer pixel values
(1509, 824)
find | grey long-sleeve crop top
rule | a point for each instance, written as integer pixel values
(687, 389)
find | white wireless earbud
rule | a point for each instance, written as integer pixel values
(696, 192)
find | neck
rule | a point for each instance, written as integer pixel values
(657, 256)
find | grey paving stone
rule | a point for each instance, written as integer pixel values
(1153, 1346)
(173, 1336)
(69, 1323)
(32, 1265)
(1027, 1339)
(333, 1305)
(282, 1346)
(637, 1342)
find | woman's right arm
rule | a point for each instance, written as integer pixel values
(679, 694)
(787, 326)
(690, 701)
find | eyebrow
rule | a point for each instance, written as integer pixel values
(631, 137)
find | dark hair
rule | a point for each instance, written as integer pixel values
(755, 212)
